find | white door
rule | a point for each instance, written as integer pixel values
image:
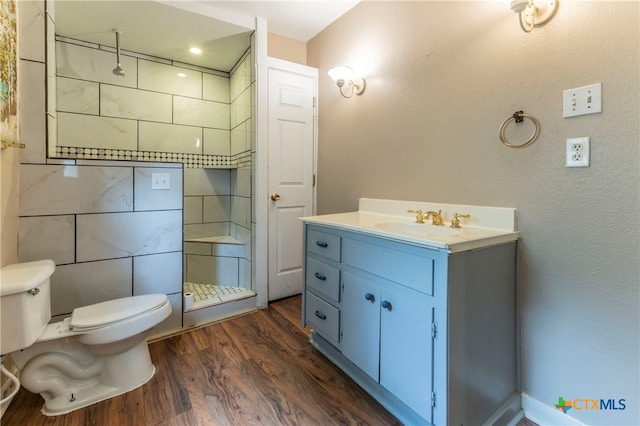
(291, 174)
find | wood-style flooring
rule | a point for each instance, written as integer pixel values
(257, 369)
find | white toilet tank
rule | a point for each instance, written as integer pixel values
(25, 304)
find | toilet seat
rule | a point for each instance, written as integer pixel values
(103, 314)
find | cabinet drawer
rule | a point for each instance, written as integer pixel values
(323, 278)
(414, 270)
(323, 318)
(326, 245)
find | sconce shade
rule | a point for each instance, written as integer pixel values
(519, 5)
(340, 74)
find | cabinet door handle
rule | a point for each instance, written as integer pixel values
(321, 315)
(370, 297)
(322, 244)
(319, 276)
(386, 305)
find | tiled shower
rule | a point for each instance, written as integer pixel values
(94, 211)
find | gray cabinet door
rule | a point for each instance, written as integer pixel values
(406, 350)
(361, 324)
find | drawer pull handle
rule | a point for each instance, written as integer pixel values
(370, 297)
(321, 315)
(322, 244)
(319, 276)
(386, 305)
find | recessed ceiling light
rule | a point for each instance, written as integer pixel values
(181, 74)
(195, 50)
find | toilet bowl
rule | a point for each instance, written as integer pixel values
(100, 351)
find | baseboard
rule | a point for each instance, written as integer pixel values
(518, 417)
(544, 414)
(509, 414)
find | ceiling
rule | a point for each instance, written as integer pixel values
(297, 19)
(158, 29)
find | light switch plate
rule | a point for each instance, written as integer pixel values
(582, 100)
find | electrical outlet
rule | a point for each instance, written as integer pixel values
(160, 181)
(578, 152)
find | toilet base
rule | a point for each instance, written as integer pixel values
(64, 404)
(70, 375)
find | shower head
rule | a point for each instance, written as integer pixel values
(118, 69)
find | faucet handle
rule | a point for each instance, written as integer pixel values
(419, 215)
(455, 222)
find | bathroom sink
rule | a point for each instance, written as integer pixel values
(417, 229)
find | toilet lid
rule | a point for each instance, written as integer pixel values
(21, 277)
(105, 313)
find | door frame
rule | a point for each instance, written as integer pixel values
(260, 253)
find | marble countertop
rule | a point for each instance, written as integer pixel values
(485, 227)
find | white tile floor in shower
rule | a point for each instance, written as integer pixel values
(205, 295)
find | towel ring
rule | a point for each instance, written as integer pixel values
(519, 117)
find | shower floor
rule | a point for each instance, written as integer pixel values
(205, 295)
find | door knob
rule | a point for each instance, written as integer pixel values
(275, 197)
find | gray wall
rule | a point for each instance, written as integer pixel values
(441, 78)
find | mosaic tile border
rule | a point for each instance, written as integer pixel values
(196, 161)
(242, 159)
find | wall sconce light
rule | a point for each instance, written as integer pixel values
(534, 13)
(342, 75)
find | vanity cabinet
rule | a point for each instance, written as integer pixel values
(428, 333)
(383, 332)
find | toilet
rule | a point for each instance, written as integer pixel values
(100, 351)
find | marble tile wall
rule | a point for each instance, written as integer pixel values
(207, 201)
(61, 189)
(150, 110)
(242, 92)
(213, 209)
(109, 233)
(242, 140)
(67, 205)
(31, 79)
